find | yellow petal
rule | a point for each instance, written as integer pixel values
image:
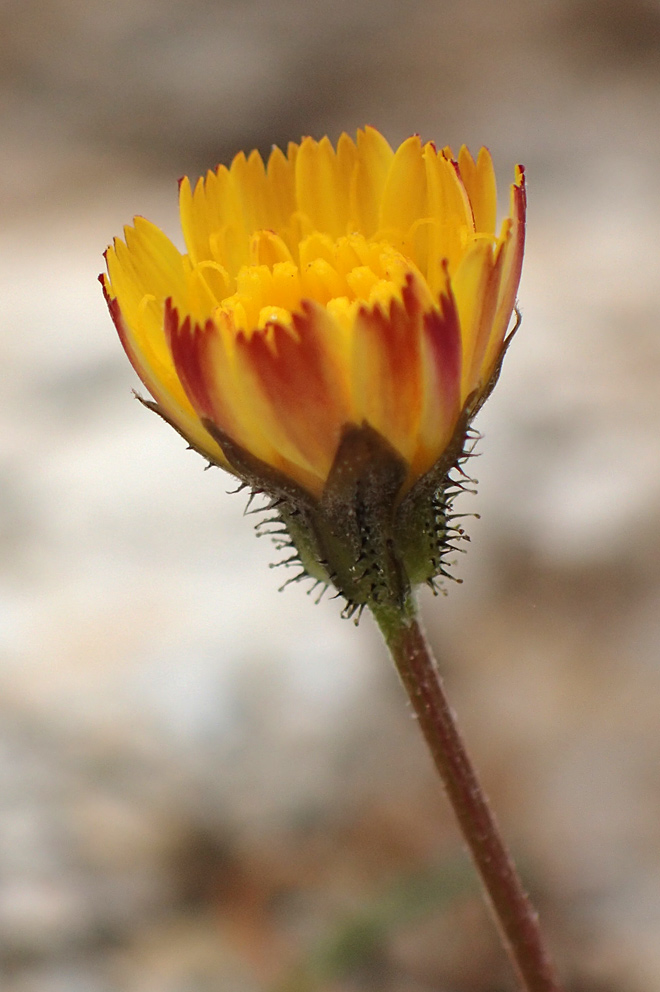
(475, 286)
(282, 186)
(373, 165)
(479, 181)
(252, 202)
(449, 207)
(317, 186)
(404, 196)
(511, 245)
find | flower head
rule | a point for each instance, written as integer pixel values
(334, 323)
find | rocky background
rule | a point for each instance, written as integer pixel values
(206, 785)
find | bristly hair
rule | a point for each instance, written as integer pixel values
(442, 531)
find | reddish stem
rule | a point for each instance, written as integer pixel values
(515, 916)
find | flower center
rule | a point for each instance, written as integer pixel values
(342, 275)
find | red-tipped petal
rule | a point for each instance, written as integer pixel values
(164, 387)
(387, 371)
(512, 265)
(227, 378)
(442, 363)
(204, 369)
(476, 287)
(183, 339)
(298, 375)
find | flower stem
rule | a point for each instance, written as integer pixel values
(514, 915)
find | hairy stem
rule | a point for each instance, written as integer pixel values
(516, 919)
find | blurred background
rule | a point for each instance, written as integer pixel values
(205, 784)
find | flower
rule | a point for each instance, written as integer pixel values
(337, 315)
